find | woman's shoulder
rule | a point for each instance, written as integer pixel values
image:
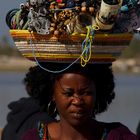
(41, 132)
(118, 131)
(38, 133)
(122, 132)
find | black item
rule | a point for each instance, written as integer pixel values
(111, 2)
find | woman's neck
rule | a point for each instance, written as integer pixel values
(74, 132)
(80, 132)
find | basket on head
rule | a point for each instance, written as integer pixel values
(73, 31)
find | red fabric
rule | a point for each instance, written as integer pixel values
(31, 135)
(120, 133)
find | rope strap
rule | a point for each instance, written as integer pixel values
(87, 44)
(85, 54)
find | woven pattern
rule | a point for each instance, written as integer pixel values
(105, 48)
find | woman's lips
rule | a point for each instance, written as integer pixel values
(78, 114)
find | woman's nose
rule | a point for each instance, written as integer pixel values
(77, 100)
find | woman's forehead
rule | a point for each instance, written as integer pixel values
(75, 76)
(74, 79)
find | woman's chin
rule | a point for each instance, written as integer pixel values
(78, 119)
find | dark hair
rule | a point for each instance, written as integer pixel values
(40, 83)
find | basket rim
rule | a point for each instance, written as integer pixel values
(22, 36)
(17, 32)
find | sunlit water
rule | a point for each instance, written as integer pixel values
(125, 108)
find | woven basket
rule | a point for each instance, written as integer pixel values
(47, 48)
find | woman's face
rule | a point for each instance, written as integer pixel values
(74, 95)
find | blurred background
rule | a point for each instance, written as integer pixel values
(125, 107)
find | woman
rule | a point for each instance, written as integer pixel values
(78, 95)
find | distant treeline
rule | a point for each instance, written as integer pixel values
(7, 49)
(133, 50)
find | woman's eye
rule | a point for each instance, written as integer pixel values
(68, 92)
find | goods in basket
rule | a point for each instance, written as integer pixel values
(89, 31)
(108, 13)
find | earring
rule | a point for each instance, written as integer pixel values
(51, 108)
